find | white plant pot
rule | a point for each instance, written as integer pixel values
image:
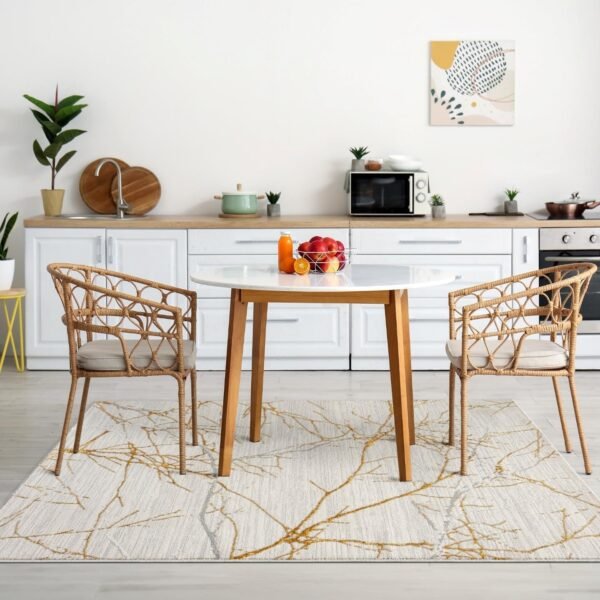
(7, 273)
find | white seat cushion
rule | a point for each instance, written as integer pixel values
(107, 355)
(536, 355)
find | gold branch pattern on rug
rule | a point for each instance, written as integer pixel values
(322, 485)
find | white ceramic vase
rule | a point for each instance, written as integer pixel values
(7, 273)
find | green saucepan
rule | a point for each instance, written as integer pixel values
(240, 202)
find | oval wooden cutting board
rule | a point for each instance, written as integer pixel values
(141, 190)
(96, 191)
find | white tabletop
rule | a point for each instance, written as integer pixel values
(354, 278)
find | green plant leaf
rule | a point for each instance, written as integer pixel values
(39, 154)
(49, 128)
(64, 115)
(68, 135)
(64, 159)
(49, 110)
(9, 226)
(53, 149)
(68, 101)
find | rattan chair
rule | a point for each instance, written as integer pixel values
(521, 325)
(124, 326)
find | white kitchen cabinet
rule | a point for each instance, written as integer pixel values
(525, 250)
(46, 338)
(428, 311)
(299, 336)
(157, 254)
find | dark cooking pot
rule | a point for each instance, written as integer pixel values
(570, 209)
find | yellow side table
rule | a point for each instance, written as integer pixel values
(15, 295)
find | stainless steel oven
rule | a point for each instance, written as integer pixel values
(576, 244)
(388, 193)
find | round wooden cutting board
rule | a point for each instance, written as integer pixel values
(141, 190)
(95, 191)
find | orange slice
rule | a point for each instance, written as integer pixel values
(301, 266)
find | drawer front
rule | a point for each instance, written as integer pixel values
(432, 241)
(211, 260)
(251, 241)
(293, 330)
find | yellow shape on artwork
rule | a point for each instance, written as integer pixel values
(442, 53)
(473, 104)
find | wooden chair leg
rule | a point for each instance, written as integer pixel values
(181, 398)
(408, 365)
(586, 459)
(233, 368)
(194, 408)
(259, 332)
(451, 395)
(400, 400)
(82, 408)
(67, 422)
(464, 446)
(561, 414)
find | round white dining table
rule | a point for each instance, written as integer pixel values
(261, 285)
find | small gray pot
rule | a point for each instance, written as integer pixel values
(511, 207)
(273, 210)
(438, 212)
(358, 164)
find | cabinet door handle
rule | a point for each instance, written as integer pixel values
(99, 249)
(278, 320)
(111, 242)
(430, 241)
(525, 249)
(260, 241)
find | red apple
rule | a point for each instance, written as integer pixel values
(332, 247)
(342, 258)
(303, 248)
(340, 247)
(315, 238)
(330, 264)
(317, 250)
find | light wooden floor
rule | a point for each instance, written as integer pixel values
(31, 410)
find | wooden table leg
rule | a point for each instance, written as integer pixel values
(408, 365)
(259, 333)
(233, 370)
(395, 335)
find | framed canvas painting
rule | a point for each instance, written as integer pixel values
(472, 83)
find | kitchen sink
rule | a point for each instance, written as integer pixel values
(96, 216)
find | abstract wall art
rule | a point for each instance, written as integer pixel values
(472, 83)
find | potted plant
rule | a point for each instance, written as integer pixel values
(438, 207)
(359, 153)
(7, 265)
(273, 209)
(511, 206)
(53, 118)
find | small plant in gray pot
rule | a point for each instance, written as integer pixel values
(511, 206)
(273, 209)
(438, 207)
(7, 265)
(359, 153)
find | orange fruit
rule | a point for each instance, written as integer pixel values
(301, 266)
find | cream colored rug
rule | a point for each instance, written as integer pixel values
(320, 486)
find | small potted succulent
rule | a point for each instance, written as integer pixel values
(359, 153)
(53, 118)
(511, 206)
(273, 209)
(7, 265)
(438, 207)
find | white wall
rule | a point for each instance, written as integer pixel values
(271, 93)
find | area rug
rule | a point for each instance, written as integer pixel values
(322, 485)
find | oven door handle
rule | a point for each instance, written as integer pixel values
(568, 259)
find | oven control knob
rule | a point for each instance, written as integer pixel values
(421, 197)
(594, 238)
(566, 239)
(420, 184)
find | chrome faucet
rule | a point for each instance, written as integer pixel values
(121, 205)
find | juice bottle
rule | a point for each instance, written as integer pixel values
(285, 252)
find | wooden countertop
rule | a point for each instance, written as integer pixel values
(301, 221)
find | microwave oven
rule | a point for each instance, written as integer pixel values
(388, 193)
